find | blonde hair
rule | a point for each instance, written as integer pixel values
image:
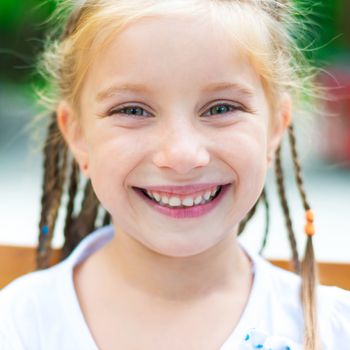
(266, 34)
(271, 47)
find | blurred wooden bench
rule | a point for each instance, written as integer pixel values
(16, 261)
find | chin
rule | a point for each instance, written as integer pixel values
(181, 247)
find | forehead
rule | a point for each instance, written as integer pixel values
(171, 53)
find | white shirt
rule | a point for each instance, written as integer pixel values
(40, 311)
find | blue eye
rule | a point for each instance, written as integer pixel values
(129, 111)
(136, 111)
(224, 108)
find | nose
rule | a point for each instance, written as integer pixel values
(181, 148)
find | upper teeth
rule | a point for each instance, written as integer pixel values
(188, 201)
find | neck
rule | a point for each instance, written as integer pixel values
(223, 268)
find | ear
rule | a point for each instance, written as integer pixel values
(280, 122)
(72, 132)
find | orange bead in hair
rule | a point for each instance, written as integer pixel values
(309, 215)
(310, 229)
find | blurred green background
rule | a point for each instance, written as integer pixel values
(23, 23)
(22, 26)
(326, 162)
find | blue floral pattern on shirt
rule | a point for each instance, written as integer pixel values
(257, 339)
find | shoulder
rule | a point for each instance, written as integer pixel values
(333, 306)
(334, 315)
(25, 304)
(42, 285)
(283, 299)
(330, 298)
(40, 311)
(30, 286)
(338, 298)
(279, 281)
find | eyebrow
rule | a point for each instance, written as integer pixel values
(114, 90)
(245, 90)
(141, 88)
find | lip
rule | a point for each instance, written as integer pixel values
(189, 212)
(185, 189)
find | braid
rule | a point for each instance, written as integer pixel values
(84, 223)
(107, 219)
(308, 296)
(87, 216)
(55, 163)
(55, 169)
(244, 222)
(285, 207)
(308, 266)
(297, 167)
(72, 192)
(250, 214)
(267, 220)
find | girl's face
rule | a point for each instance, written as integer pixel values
(173, 102)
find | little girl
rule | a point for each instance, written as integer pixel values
(173, 110)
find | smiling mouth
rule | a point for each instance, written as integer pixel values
(174, 202)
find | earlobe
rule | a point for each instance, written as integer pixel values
(281, 122)
(73, 134)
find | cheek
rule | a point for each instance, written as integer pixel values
(111, 159)
(113, 149)
(245, 152)
(245, 145)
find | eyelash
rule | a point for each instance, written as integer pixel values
(125, 107)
